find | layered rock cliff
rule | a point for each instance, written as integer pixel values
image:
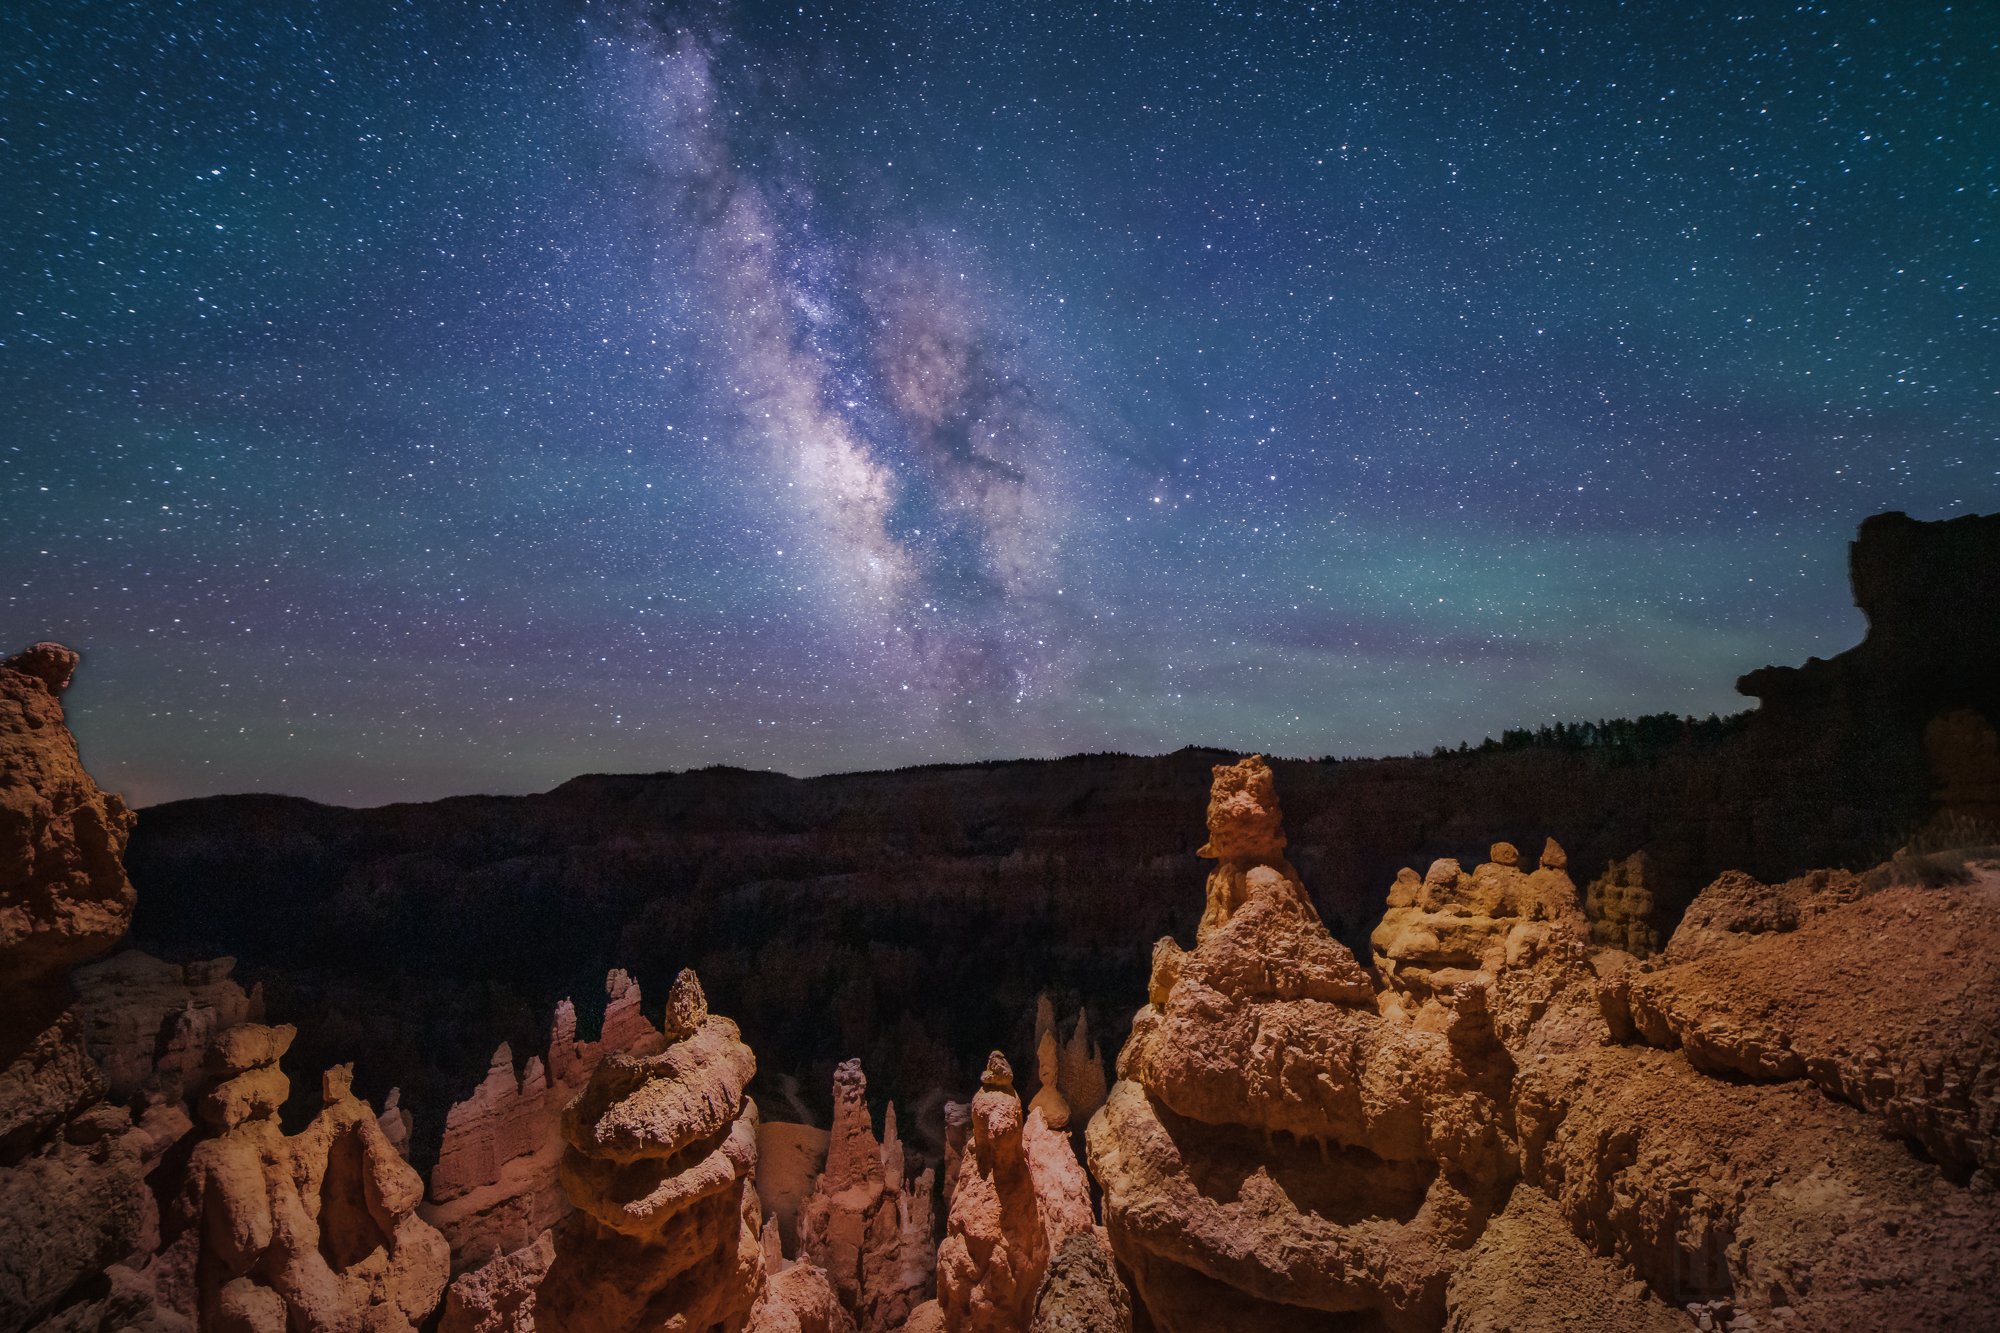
(1788, 1121)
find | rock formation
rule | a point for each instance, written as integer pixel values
(72, 1197)
(1020, 1196)
(1070, 1069)
(665, 1233)
(1621, 908)
(790, 1158)
(1737, 908)
(148, 1023)
(957, 1132)
(658, 1153)
(1082, 1292)
(1048, 1100)
(317, 1230)
(1882, 1000)
(1528, 1137)
(1368, 1144)
(495, 1188)
(865, 1223)
(64, 898)
(1910, 580)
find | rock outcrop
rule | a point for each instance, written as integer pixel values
(317, 1230)
(1622, 909)
(494, 1188)
(665, 1234)
(1755, 1205)
(1909, 579)
(1738, 908)
(1885, 1001)
(1069, 1071)
(73, 1200)
(1788, 1119)
(1362, 1144)
(64, 898)
(148, 1023)
(865, 1222)
(1021, 1196)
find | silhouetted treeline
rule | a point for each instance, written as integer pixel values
(1622, 735)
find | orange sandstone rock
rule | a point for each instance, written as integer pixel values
(790, 1157)
(317, 1230)
(1073, 1074)
(148, 1023)
(1284, 1149)
(865, 1223)
(72, 1195)
(1020, 1196)
(665, 1234)
(494, 1188)
(1048, 1099)
(64, 898)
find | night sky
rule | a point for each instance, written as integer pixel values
(405, 399)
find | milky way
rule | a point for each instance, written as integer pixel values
(416, 399)
(906, 449)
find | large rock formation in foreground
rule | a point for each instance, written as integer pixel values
(1788, 1121)
(73, 1201)
(1276, 1148)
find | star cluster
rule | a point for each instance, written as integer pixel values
(410, 398)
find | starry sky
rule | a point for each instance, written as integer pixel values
(404, 399)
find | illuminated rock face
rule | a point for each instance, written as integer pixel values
(148, 1023)
(1069, 1071)
(865, 1222)
(314, 1230)
(72, 1195)
(1367, 1144)
(495, 1188)
(659, 1151)
(1020, 1196)
(1515, 1132)
(1884, 1000)
(64, 898)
